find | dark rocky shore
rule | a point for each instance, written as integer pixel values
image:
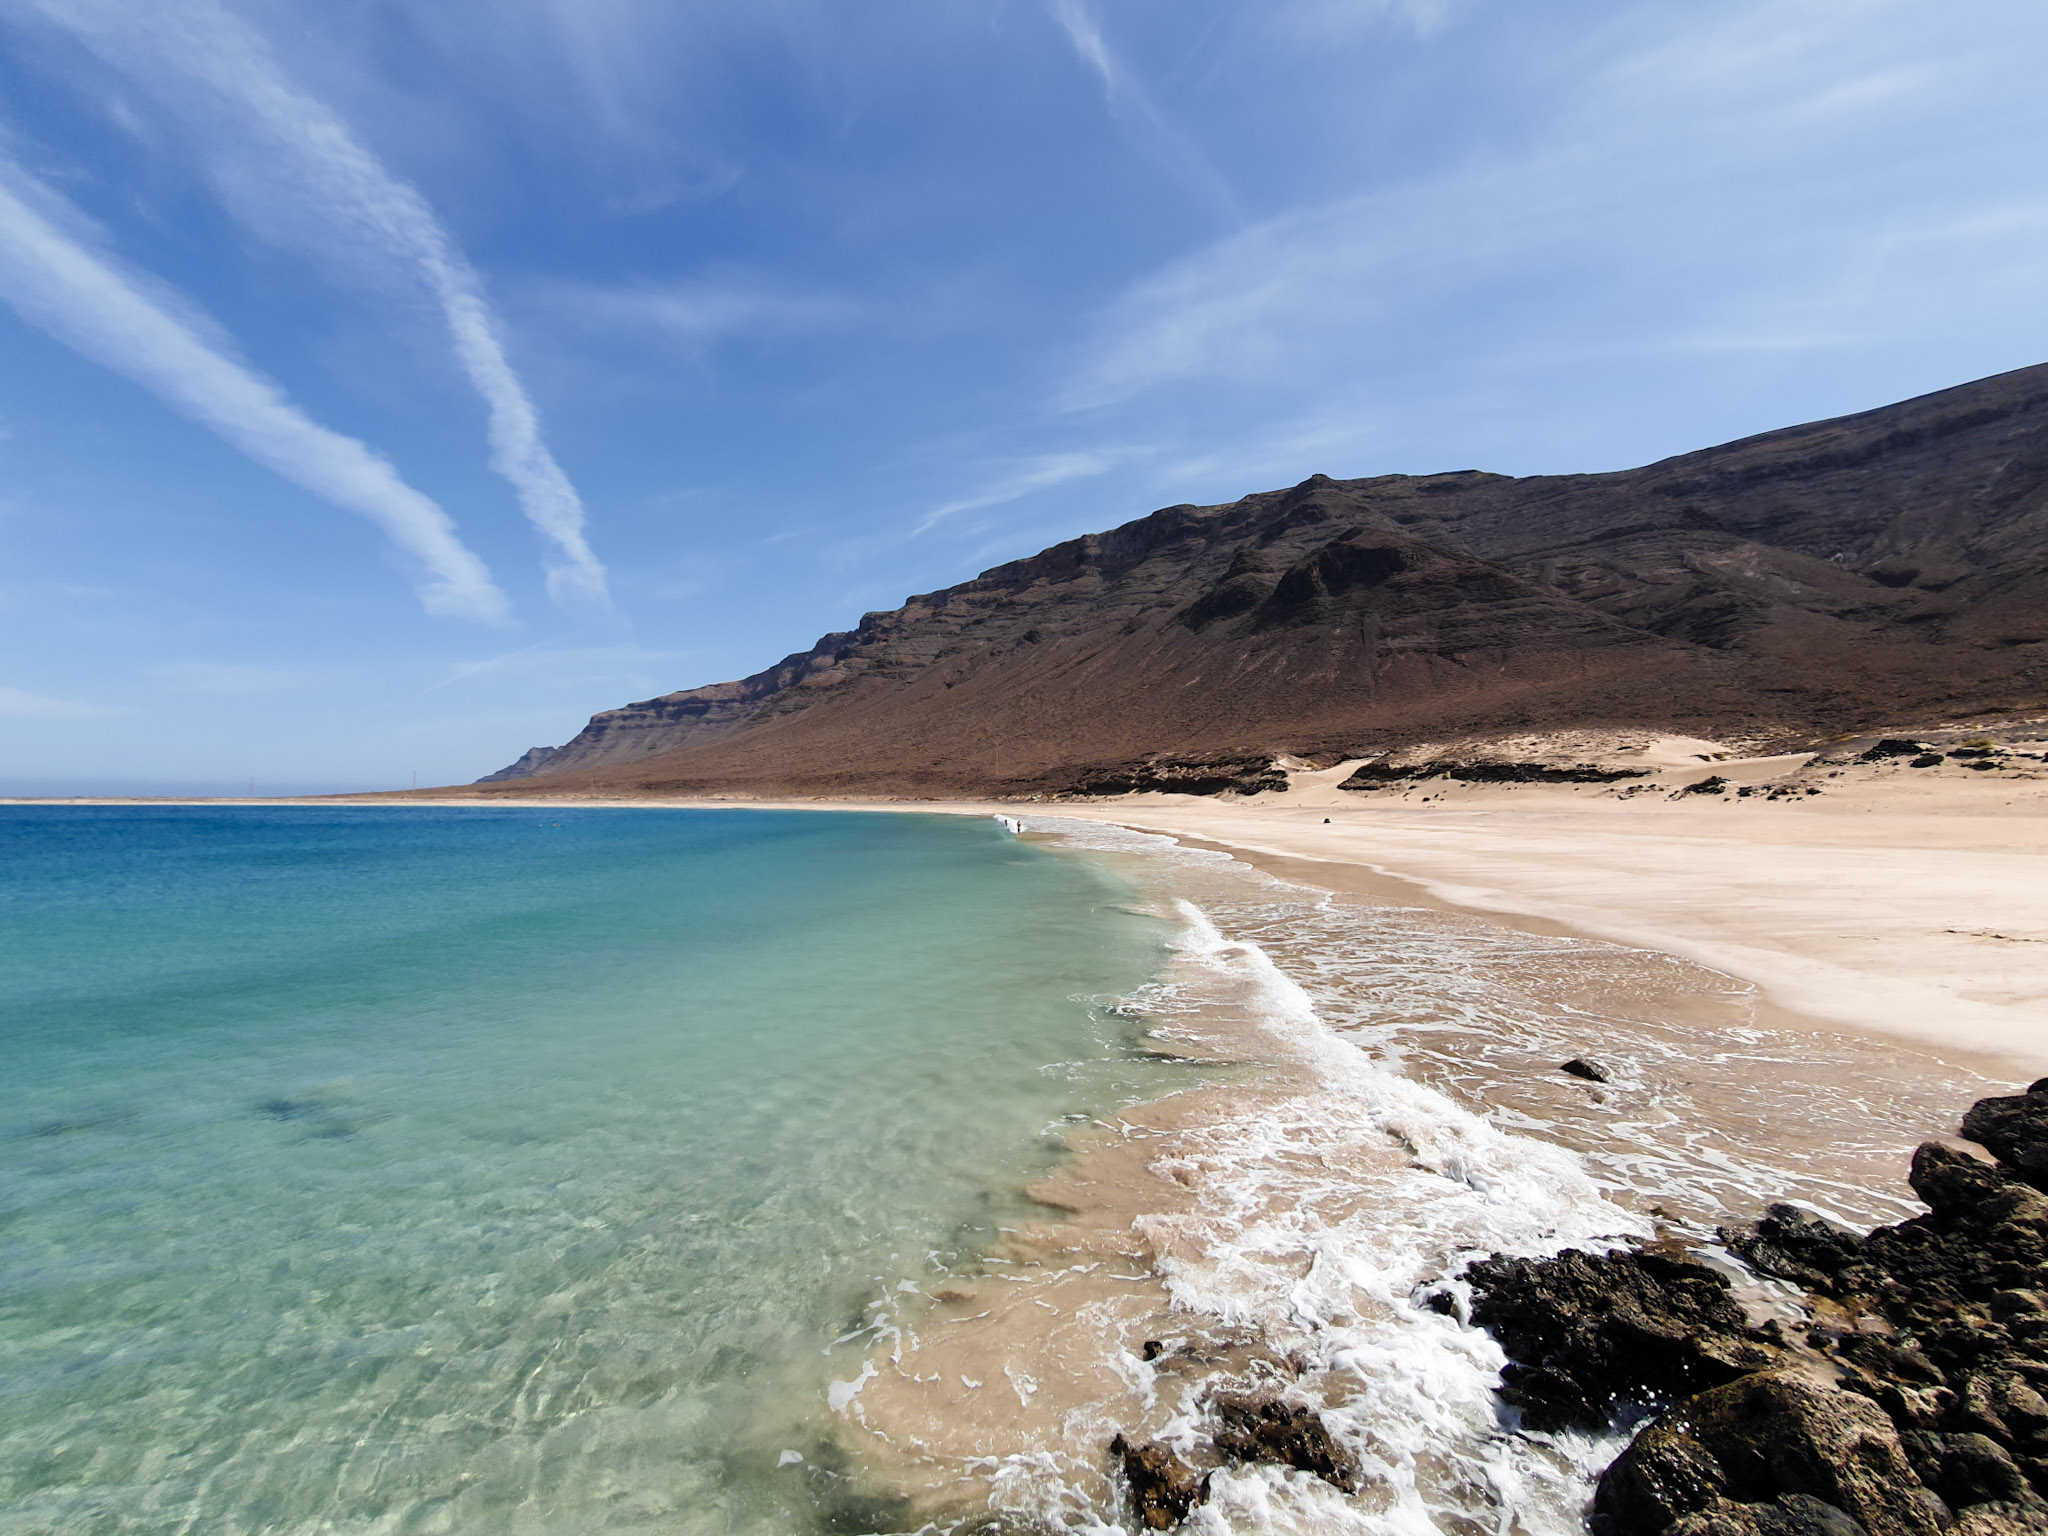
(1907, 1402)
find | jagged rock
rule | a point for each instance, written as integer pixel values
(1184, 776)
(1585, 1332)
(1793, 1245)
(2015, 1130)
(1164, 1489)
(1951, 1182)
(1975, 1469)
(1591, 1071)
(1268, 1428)
(1792, 1514)
(1754, 1440)
(1942, 1361)
(2001, 1520)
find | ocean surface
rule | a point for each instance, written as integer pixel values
(391, 1170)
(574, 1171)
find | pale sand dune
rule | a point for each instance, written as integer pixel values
(1913, 907)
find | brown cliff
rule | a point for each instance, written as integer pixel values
(1813, 580)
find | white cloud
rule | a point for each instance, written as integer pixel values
(1038, 474)
(20, 704)
(296, 172)
(1324, 21)
(1700, 187)
(1130, 101)
(57, 283)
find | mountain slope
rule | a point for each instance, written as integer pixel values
(1804, 581)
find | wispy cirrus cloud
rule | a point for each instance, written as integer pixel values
(1037, 474)
(58, 283)
(1130, 101)
(1706, 185)
(293, 170)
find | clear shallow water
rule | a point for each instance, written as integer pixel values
(1394, 1110)
(506, 1170)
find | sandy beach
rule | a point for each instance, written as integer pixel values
(1911, 905)
(1912, 909)
(1908, 904)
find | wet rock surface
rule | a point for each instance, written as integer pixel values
(1912, 1404)
(1164, 1489)
(1270, 1429)
(1256, 1427)
(1587, 1334)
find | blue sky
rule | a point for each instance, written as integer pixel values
(386, 386)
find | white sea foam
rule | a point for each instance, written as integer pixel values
(1318, 1225)
(1417, 1123)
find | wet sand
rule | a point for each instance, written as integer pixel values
(1891, 904)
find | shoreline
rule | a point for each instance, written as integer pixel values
(1897, 908)
(1186, 1223)
(1391, 1106)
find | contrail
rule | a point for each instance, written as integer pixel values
(60, 285)
(294, 171)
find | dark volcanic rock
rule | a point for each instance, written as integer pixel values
(1790, 1514)
(533, 760)
(1268, 1428)
(1164, 1489)
(1591, 1071)
(1586, 1333)
(1374, 775)
(1937, 1400)
(2015, 1130)
(2001, 1520)
(1184, 776)
(1974, 1469)
(1793, 1245)
(1760, 1438)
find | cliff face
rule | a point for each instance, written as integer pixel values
(1810, 580)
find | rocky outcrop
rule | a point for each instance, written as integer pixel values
(1182, 776)
(1586, 1334)
(1763, 1440)
(1266, 1427)
(1245, 1427)
(1379, 775)
(1912, 1404)
(1811, 581)
(1164, 1490)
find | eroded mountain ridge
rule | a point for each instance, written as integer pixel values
(1817, 579)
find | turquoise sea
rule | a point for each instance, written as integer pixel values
(386, 1170)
